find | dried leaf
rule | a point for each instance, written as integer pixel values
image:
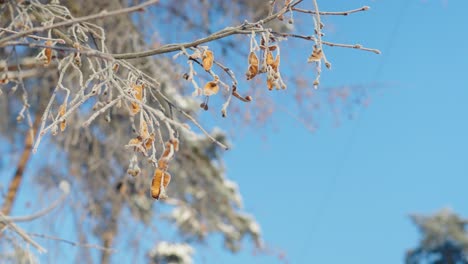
(134, 141)
(138, 94)
(175, 143)
(168, 151)
(253, 59)
(144, 130)
(316, 56)
(135, 108)
(63, 123)
(48, 53)
(251, 72)
(159, 184)
(211, 88)
(138, 91)
(4, 81)
(269, 58)
(270, 83)
(276, 63)
(207, 60)
(163, 164)
(149, 141)
(62, 110)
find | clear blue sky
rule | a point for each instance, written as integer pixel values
(343, 194)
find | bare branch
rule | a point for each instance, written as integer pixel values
(100, 15)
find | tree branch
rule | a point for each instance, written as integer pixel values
(100, 15)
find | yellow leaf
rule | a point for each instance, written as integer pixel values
(207, 59)
(62, 110)
(269, 58)
(253, 59)
(159, 184)
(63, 125)
(138, 94)
(210, 88)
(134, 141)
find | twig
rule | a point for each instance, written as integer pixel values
(64, 186)
(194, 122)
(331, 44)
(86, 52)
(351, 46)
(76, 244)
(100, 15)
(21, 233)
(343, 13)
(245, 28)
(34, 36)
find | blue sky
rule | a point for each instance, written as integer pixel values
(343, 194)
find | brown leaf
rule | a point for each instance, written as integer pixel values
(149, 141)
(270, 83)
(48, 53)
(63, 125)
(276, 63)
(135, 108)
(163, 164)
(207, 59)
(134, 141)
(316, 56)
(251, 72)
(253, 59)
(138, 94)
(269, 58)
(159, 184)
(168, 151)
(62, 110)
(211, 88)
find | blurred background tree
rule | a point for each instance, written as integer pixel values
(444, 239)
